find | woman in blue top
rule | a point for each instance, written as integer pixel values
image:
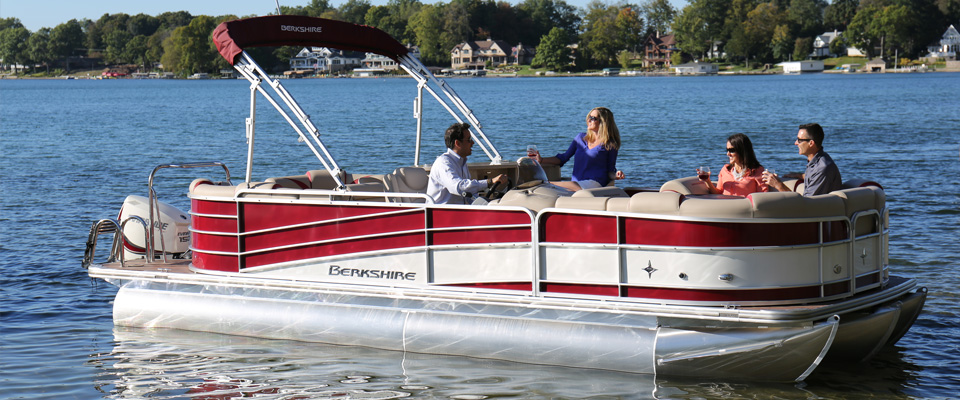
(594, 153)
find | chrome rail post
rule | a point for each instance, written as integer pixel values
(153, 202)
(418, 114)
(251, 125)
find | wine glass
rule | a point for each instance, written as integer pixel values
(703, 172)
(532, 151)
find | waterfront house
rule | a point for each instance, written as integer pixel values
(821, 44)
(378, 61)
(796, 67)
(322, 60)
(476, 54)
(948, 47)
(522, 55)
(657, 50)
(696, 68)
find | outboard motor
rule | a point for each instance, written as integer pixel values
(170, 222)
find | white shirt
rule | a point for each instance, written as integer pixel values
(450, 179)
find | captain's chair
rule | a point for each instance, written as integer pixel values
(407, 180)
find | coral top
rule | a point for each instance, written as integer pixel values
(750, 182)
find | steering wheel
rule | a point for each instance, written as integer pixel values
(498, 190)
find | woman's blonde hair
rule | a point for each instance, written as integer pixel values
(608, 132)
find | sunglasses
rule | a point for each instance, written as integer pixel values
(731, 150)
(593, 119)
(803, 140)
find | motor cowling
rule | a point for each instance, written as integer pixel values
(168, 221)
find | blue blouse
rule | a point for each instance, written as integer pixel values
(594, 164)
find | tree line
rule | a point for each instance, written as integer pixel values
(605, 33)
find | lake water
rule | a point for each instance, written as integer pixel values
(72, 150)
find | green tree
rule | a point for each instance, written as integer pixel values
(887, 26)
(691, 31)
(754, 38)
(142, 24)
(782, 43)
(601, 38)
(806, 17)
(13, 45)
(171, 20)
(38, 48)
(136, 51)
(539, 17)
(354, 10)
(66, 39)
(659, 15)
(456, 26)
(552, 52)
(316, 8)
(427, 25)
(115, 44)
(629, 29)
(625, 58)
(189, 49)
(802, 48)
(839, 13)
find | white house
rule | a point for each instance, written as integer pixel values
(821, 44)
(948, 47)
(696, 68)
(796, 67)
(323, 60)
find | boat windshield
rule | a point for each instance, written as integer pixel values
(530, 170)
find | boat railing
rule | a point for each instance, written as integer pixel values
(154, 204)
(106, 226)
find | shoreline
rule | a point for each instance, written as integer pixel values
(505, 75)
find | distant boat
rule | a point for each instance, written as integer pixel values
(199, 75)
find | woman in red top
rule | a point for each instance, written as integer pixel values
(744, 174)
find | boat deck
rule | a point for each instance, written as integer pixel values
(179, 270)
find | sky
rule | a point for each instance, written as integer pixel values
(36, 14)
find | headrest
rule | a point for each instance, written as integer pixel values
(413, 177)
(656, 202)
(689, 185)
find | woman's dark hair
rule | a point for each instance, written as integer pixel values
(744, 148)
(455, 132)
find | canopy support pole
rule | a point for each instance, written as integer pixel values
(417, 70)
(254, 74)
(251, 124)
(418, 114)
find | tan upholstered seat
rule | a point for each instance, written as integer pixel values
(292, 182)
(407, 180)
(605, 191)
(583, 203)
(321, 179)
(689, 185)
(667, 203)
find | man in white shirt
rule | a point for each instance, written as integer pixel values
(450, 181)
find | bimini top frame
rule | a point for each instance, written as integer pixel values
(232, 37)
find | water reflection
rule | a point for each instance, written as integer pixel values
(175, 364)
(161, 363)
